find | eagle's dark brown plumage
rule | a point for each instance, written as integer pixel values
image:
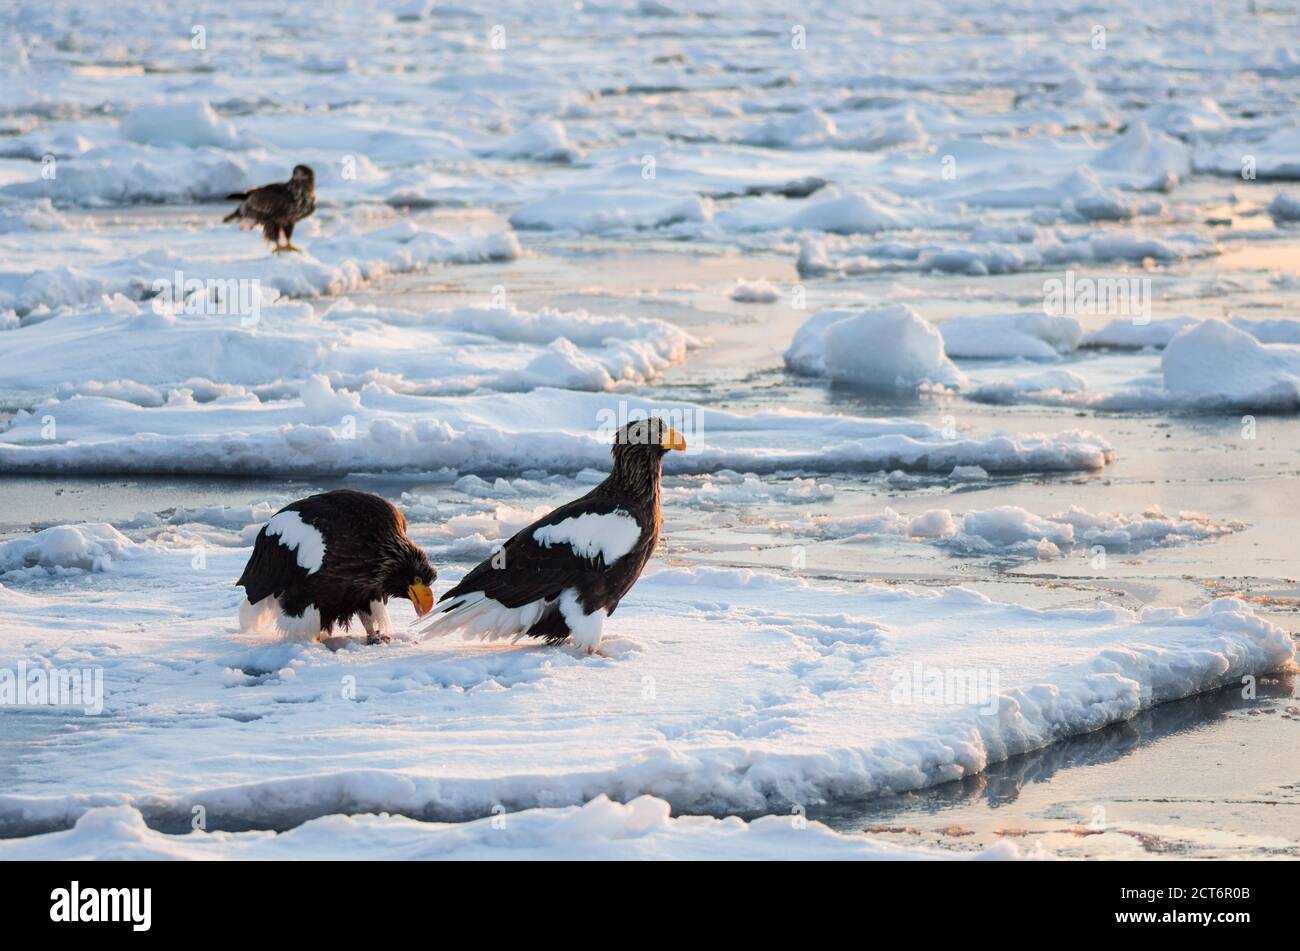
(277, 207)
(327, 558)
(562, 575)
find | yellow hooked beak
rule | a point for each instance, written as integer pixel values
(421, 596)
(673, 440)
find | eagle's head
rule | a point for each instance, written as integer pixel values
(639, 448)
(304, 177)
(409, 575)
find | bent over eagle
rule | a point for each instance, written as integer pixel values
(324, 559)
(564, 574)
(277, 207)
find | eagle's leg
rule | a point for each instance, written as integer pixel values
(372, 622)
(584, 628)
(288, 240)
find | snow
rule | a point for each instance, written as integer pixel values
(801, 129)
(1271, 152)
(143, 265)
(611, 536)
(1284, 208)
(601, 212)
(601, 829)
(754, 292)
(550, 158)
(1034, 336)
(725, 488)
(1187, 118)
(93, 546)
(541, 141)
(1214, 364)
(1208, 365)
(968, 474)
(1045, 386)
(191, 124)
(723, 691)
(1142, 159)
(850, 214)
(140, 352)
(1283, 330)
(885, 348)
(1127, 334)
(322, 430)
(999, 251)
(305, 541)
(1011, 530)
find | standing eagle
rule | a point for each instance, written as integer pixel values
(277, 207)
(562, 575)
(325, 558)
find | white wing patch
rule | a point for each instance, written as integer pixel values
(307, 544)
(611, 536)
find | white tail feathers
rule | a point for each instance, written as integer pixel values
(268, 615)
(480, 617)
(258, 617)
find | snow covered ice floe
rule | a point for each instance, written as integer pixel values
(1214, 364)
(601, 829)
(726, 691)
(91, 546)
(1127, 334)
(1085, 142)
(329, 430)
(1011, 530)
(140, 352)
(343, 258)
(1034, 336)
(883, 348)
(992, 250)
(1205, 365)
(1058, 386)
(754, 292)
(1284, 208)
(601, 212)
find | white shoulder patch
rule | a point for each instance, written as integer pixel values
(307, 544)
(611, 536)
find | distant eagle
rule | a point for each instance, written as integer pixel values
(277, 207)
(327, 558)
(564, 574)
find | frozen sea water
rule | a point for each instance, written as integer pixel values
(608, 175)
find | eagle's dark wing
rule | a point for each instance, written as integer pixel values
(272, 569)
(524, 570)
(269, 203)
(519, 590)
(324, 559)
